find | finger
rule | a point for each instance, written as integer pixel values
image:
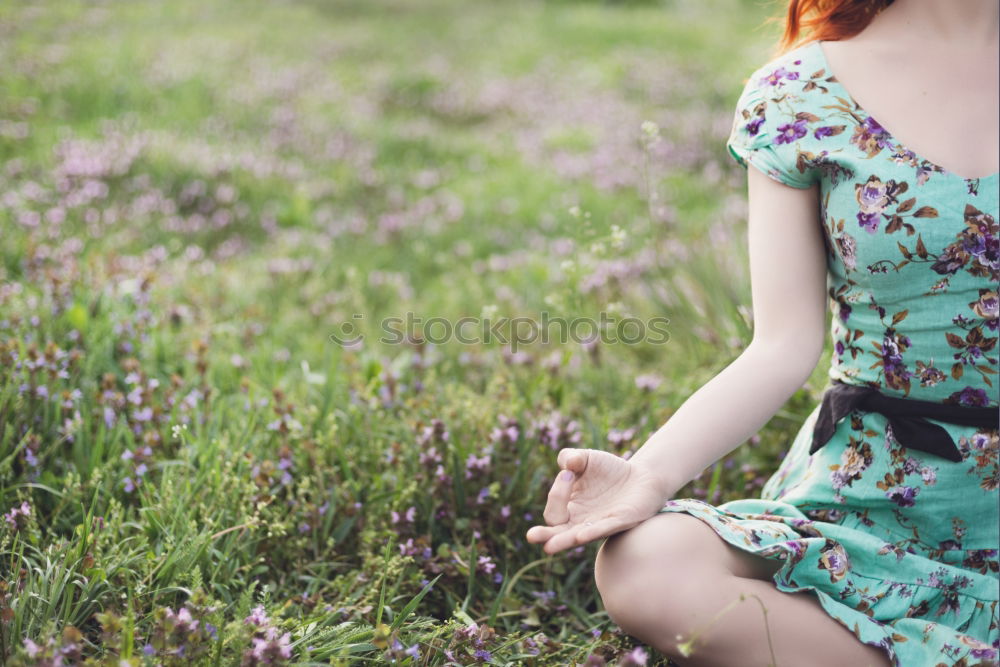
(574, 459)
(541, 534)
(567, 539)
(557, 505)
(579, 534)
(600, 528)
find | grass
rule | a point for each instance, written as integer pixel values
(197, 195)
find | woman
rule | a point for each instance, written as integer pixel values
(875, 543)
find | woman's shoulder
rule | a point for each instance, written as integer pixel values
(781, 115)
(798, 70)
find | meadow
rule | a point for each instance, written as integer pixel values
(210, 451)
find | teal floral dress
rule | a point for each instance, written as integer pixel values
(898, 545)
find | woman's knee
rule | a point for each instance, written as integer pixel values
(654, 570)
(663, 540)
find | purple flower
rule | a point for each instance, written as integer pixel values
(648, 381)
(824, 131)
(487, 563)
(775, 77)
(636, 656)
(845, 311)
(789, 132)
(972, 397)
(753, 127)
(868, 222)
(11, 516)
(257, 616)
(872, 125)
(902, 495)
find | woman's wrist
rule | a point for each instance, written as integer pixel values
(665, 480)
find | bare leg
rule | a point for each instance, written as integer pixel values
(671, 575)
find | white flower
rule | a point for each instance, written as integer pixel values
(650, 129)
(312, 378)
(618, 236)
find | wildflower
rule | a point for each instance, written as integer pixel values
(31, 648)
(269, 647)
(507, 432)
(617, 437)
(637, 656)
(650, 131)
(182, 619)
(410, 515)
(557, 432)
(257, 616)
(487, 564)
(12, 516)
(618, 237)
(648, 381)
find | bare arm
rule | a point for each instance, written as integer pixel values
(788, 289)
(599, 494)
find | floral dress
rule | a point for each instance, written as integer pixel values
(898, 545)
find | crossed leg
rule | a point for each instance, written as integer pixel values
(671, 575)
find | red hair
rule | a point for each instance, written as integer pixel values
(829, 20)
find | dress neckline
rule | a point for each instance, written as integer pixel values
(817, 45)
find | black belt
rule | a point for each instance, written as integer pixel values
(907, 417)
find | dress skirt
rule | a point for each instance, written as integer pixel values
(898, 545)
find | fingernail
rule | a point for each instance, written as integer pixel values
(567, 475)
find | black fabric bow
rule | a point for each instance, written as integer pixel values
(907, 417)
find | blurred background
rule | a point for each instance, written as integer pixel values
(195, 196)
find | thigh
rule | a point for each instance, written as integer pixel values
(676, 538)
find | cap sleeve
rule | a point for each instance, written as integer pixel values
(767, 135)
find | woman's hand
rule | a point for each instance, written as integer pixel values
(603, 495)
